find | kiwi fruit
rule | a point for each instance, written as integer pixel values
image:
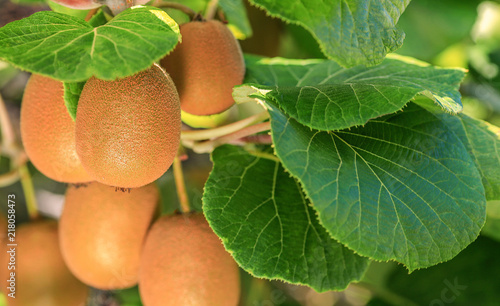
(128, 130)
(102, 230)
(42, 277)
(184, 263)
(205, 67)
(48, 132)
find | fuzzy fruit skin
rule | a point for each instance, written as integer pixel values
(48, 132)
(42, 278)
(205, 67)
(102, 231)
(128, 130)
(185, 263)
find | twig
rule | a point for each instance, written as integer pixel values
(223, 130)
(260, 139)
(181, 186)
(29, 192)
(210, 145)
(211, 9)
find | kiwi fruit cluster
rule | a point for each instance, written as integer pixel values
(125, 136)
(127, 132)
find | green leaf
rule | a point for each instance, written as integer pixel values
(322, 95)
(452, 22)
(264, 220)
(351, 32)
(469, 279)
(69, 49)
(236, 15)
(98, 19)
(401, 188)
(482, 140)
(72, 92)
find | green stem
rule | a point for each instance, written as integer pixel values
(29, 191)
(181, 186)
(211, 9)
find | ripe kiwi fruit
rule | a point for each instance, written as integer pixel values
(205, 67)
(102, 230)
(48, 132)
(128, 130)
(42, 277)
(184, 263)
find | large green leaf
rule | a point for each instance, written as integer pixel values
(69, 49)
(324, 96)
(264, 220)
(401, 188)
(482, 140)
(351, 32)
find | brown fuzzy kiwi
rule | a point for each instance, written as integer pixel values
(128, 130)
(184, 263)
(102, 230)
(205, 67)
(48, 132)
(42, 277)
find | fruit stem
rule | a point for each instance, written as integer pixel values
(260, 139)
(177, 6)
(91, 14)
(224, 130)
(211, 9)
(209, 145)
(181, 186)
(29, 191)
